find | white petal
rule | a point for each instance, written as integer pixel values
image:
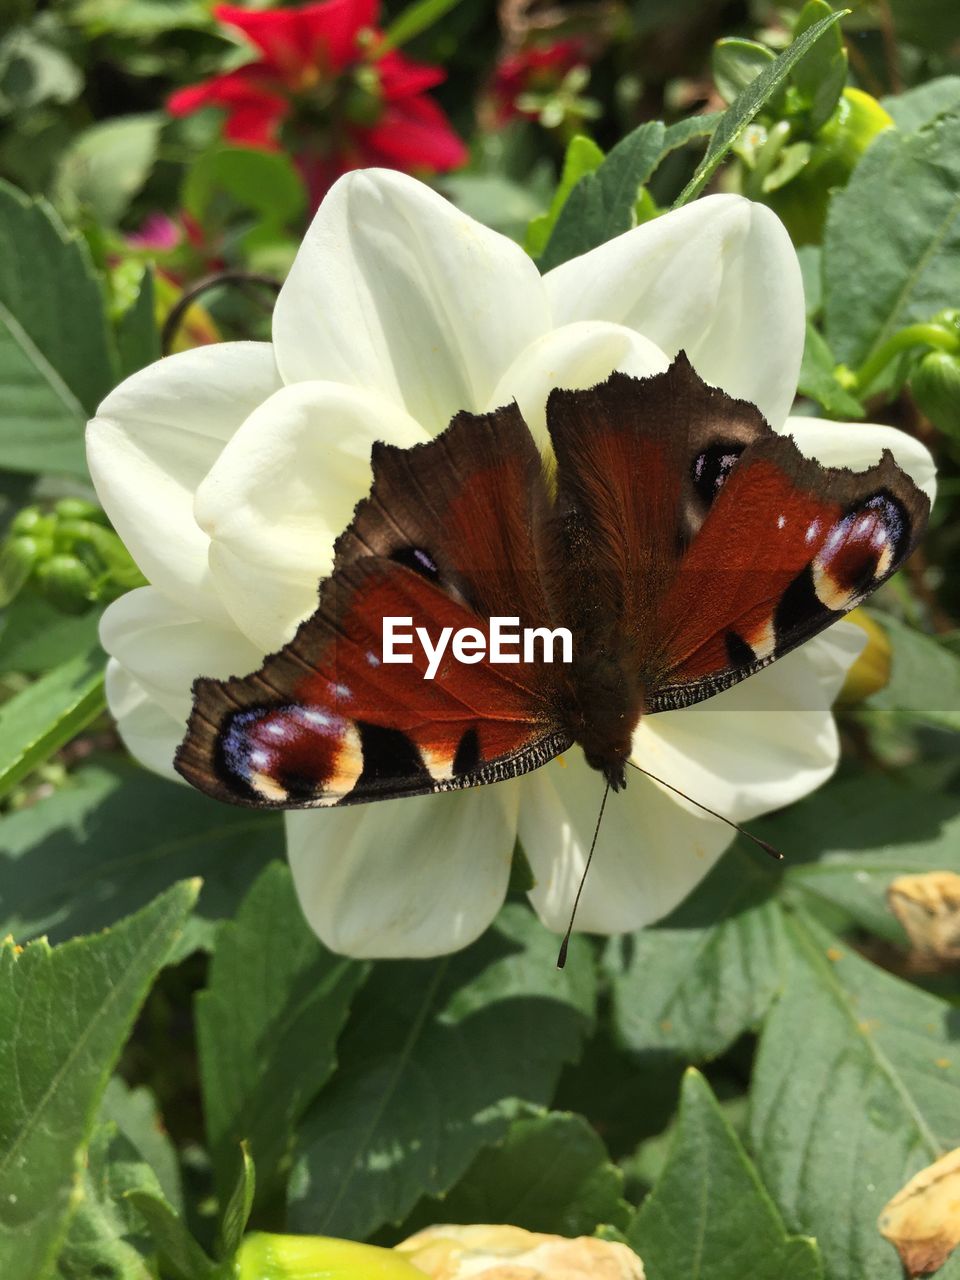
(165, 647)
(574, 356)
(413, 877)
(718, 278)
(280, 494)
(762, 744)
(154, 439)
(148, 730)
(858, 445)
(650, 852)
(395, 290)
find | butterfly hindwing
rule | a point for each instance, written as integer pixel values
(326, 720)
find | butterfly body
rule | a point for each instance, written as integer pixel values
(682, 543)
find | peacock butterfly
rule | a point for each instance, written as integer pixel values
(683, 543)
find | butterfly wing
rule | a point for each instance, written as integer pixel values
(326, 720)
(727, 547)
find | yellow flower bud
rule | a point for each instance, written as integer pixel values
(510, 1253)
(262, 1256)
(871, 671)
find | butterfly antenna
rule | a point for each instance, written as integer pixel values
(562, 957)
(761, 844)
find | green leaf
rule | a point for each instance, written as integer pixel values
(106, 165)
(138, 338)
(698, 980)
(756, 95)
(106, 1236)
(267, 1027)
(67, 1013)
(138, 17)
(34, 70)
(48, 713)
(431, 1065)
(36, 637)
(582, 156)
(856, 1087)
(182, 1256)
(845, 844)
(240, 1205)
(891, 251)
(736, 63)
(818, 379)
(263, 186)
(416, 18)
(601, 205)
(112, 838)
(924, 680)
(137, 1118)
(709, 1216)
(917, 107)
(551, 1172)
(820, 76)
(56, 362)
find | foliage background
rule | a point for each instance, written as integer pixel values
(486, 1086)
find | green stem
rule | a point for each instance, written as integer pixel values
(767, 157)
(914, 335)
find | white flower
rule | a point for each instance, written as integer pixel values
(229, 470)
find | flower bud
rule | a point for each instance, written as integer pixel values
(17, 559)
(66, 582)
(262, 1256)
(32, 521)
(936, 388)
(79, 509)
(871, 671)
(502, 1252)
(835, 150)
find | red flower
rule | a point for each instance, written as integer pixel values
(320, 88)
(538, 70)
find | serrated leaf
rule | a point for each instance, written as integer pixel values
(818, 379)
(431, 1065)
(699, 979)
(856, 1087)
(44, 717)
(891, 250)
(106, 165)
(709, 1217)
(115, 836)
(267, 1026)
(582, 156)
(56, 362)
(757, 94)
(601, 205)
(550, 1173)
(106, 1237)
(68, 1012)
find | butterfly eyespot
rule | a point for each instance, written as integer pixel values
(418, 560)
(285, 753)
(710, 469)
(862, 548)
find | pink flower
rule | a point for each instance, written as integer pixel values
(322, 87)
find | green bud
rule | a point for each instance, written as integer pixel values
(936, 388)
(66, 582)
(31, 520)
(17, 559)
(268, 1257)
(79, 509)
